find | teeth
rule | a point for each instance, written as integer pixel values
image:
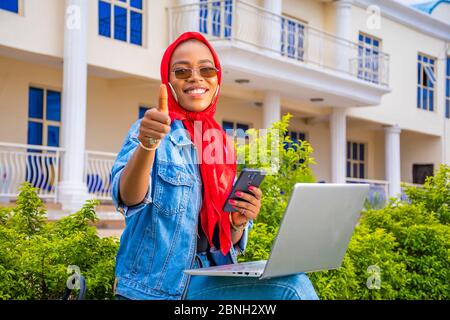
(197, 91)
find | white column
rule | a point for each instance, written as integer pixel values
(188, 18)
(271, 26)
(72, 190)
(338, 135)
(392, 159)
(271, 108)
(343, 27)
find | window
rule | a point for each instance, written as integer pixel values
(421, 172)
(142, 110)
(296, 137)
(44, 117)
(447, 89)
(121, 19)
(292, 39)
(10, 5)
(368, 57)
(210, 16)
(235, 128)
(44, 124)
(356, 160)
(425, 82)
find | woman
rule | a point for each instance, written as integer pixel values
(171, 186)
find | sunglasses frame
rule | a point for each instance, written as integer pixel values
(195, 69)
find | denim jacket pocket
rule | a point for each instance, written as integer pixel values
(172, 188)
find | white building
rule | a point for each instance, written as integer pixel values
(368, 83)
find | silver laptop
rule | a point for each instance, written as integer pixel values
(313, 235)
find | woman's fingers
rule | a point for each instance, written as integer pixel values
(256, 191)
(156, 115)
(248, 197)
(155, 126)
(248, 209)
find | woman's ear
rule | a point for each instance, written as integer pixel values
(173, 92)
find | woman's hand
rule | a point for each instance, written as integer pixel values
(248, 209)
(156, 121)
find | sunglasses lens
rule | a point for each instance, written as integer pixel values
(183, 73)
(208, 72)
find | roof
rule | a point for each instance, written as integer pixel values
(429, 6)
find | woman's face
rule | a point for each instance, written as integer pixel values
(196, 92)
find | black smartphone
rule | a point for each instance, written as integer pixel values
(248, 177)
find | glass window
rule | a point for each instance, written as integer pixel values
(426, 79)
(447, 89)
(292, 38)
(136, 4)
(120, 23)
(210, 18)
(142, 111)
(35, 133)
(104, 19)
(53, 106)
(368, 57)
(136, 28)
(121, 19)
(53, 136)
(36, 103)
(10, 5)
(356, 163)
(44, 117)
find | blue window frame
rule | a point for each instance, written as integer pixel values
(44, 123)
(356, 160)
(121, 19)
(210, 18)
(296, 138)
(104, 19)
(44, 117)
(292, 39)
(142, 111)
(235, 128)
(447, 89)
(368, 57)
(425, 82)
(10, 5)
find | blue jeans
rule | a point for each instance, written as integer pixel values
(295, 287)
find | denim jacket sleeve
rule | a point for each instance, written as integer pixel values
(129, 146)
(235, 250)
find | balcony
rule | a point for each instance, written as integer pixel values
(41, 165)
(280, 53)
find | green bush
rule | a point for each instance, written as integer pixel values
(35, 254)
(292, 165)
(397, 251)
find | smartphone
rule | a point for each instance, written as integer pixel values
(248, 177)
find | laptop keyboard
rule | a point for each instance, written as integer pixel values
(243, 266)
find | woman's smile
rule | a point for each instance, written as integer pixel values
(196, 92)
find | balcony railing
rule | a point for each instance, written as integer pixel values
(41, 165)
(36, 164)
(279, 35)
(98, 173)
(378, 192)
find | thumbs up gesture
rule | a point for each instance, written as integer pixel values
(156, 122)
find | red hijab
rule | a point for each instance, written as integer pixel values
(217, 178)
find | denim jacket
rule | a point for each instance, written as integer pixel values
(160, 236)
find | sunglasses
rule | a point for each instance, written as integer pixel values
(186, 73)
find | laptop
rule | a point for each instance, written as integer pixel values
(313, 235)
